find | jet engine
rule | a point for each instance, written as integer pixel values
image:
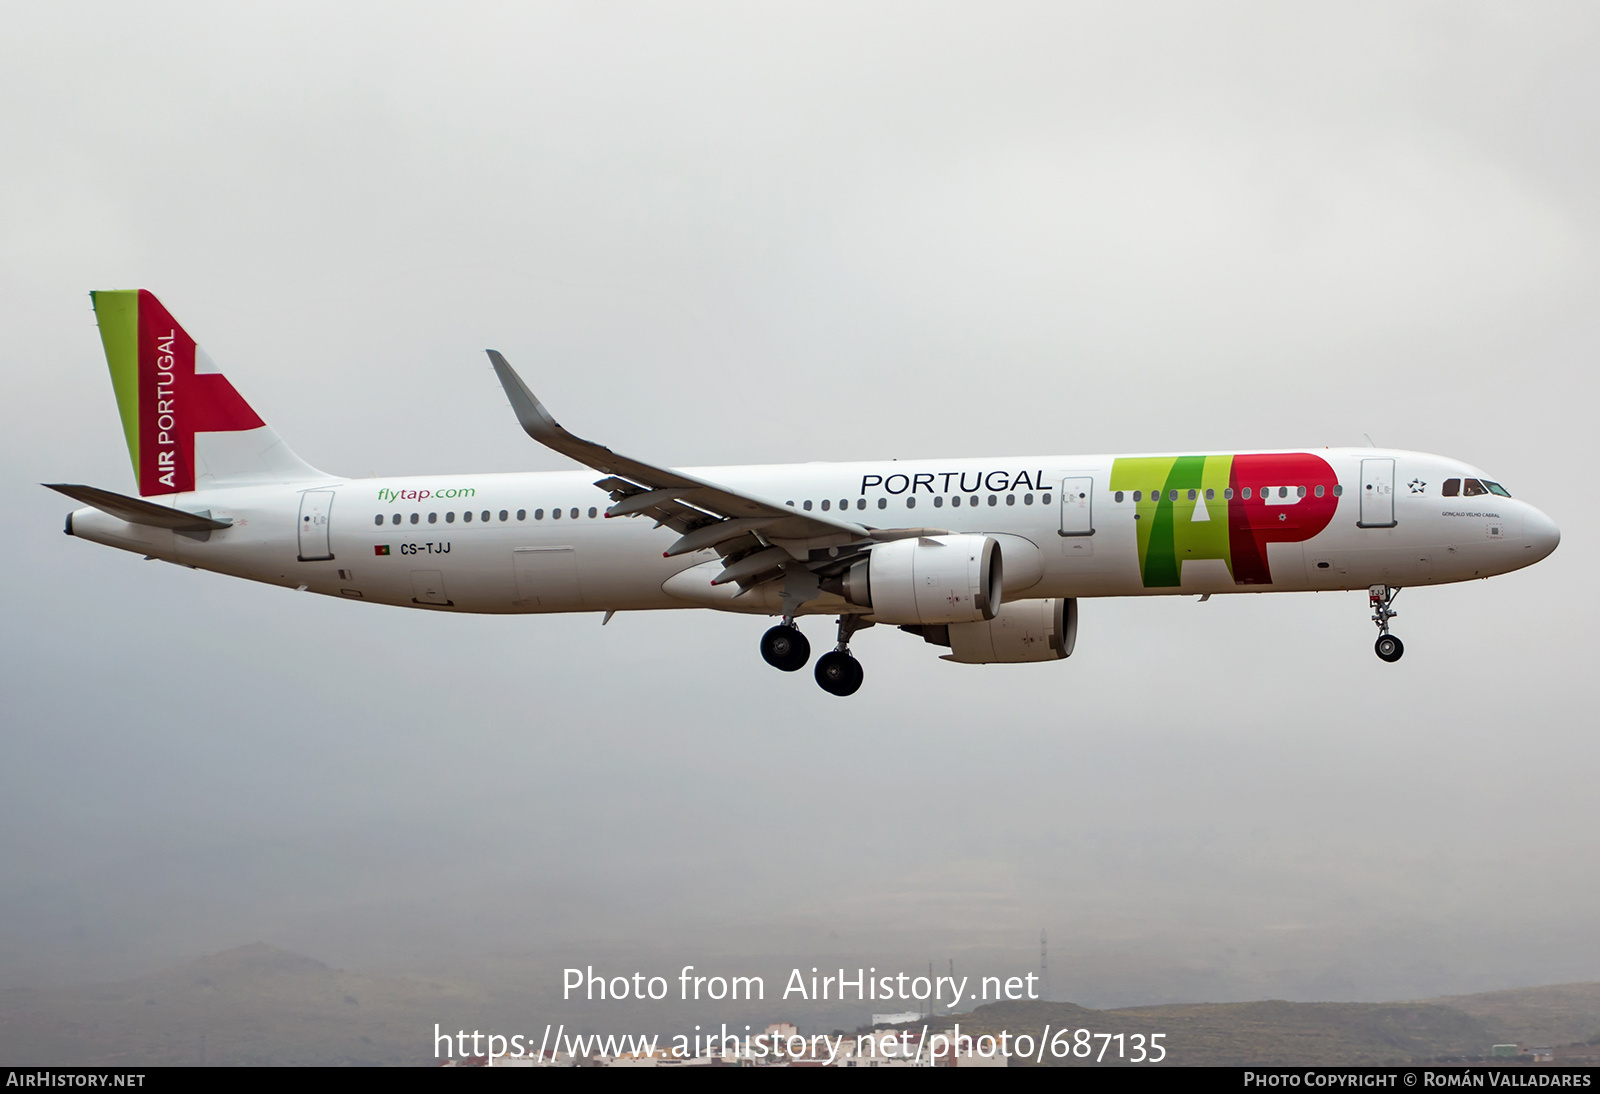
(1022, 631)
(926, 580)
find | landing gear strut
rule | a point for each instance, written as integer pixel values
(838, 672)
(1388, 647)
(784, 647)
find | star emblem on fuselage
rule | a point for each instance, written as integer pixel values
(1417, 486)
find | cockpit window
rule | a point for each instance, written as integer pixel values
(1473, 489)
(1496, 488)
(1452, 488)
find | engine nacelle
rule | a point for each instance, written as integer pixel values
(927, 580)
(1022, 631)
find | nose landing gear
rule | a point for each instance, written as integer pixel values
(1388, 647)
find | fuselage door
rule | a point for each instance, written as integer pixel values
(1377, 494)
(1077, 507)
(315, 507)
(548, 577)
(427, 587)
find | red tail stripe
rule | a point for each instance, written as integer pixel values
(175, 403)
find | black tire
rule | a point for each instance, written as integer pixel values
(785, 648)
(1389, 648)
(839, 673)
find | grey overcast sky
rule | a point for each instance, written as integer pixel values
(725, 233)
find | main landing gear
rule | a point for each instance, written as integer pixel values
(784, 647)
(1388, 647)
(838, 672)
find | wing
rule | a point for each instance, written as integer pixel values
(742, 527)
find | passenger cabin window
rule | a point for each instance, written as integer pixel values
(1471, 488)
(467, 516)
(433, 518)
(450, 518)
(1451, 488)
(414, 517)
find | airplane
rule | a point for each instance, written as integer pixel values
(986, 558)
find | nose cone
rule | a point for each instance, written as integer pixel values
(1542, 534)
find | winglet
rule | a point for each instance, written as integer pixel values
(538, 424)
(531, 413)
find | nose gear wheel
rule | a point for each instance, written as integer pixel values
(1388, 647)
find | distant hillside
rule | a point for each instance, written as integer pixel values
(1557, 1015)
(261, 1005)
(252, 1005)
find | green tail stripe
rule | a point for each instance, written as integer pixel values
(118, 313)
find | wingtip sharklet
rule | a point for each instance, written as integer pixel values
(535, 419)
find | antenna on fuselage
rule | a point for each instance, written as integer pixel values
(1368, 436)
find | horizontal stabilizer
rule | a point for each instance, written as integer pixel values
(136, 510)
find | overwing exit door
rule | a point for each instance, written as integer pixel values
(315, 506)
(1377, 494)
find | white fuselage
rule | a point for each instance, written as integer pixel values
(493, 543)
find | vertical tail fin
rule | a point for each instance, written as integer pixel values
(187, 428)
